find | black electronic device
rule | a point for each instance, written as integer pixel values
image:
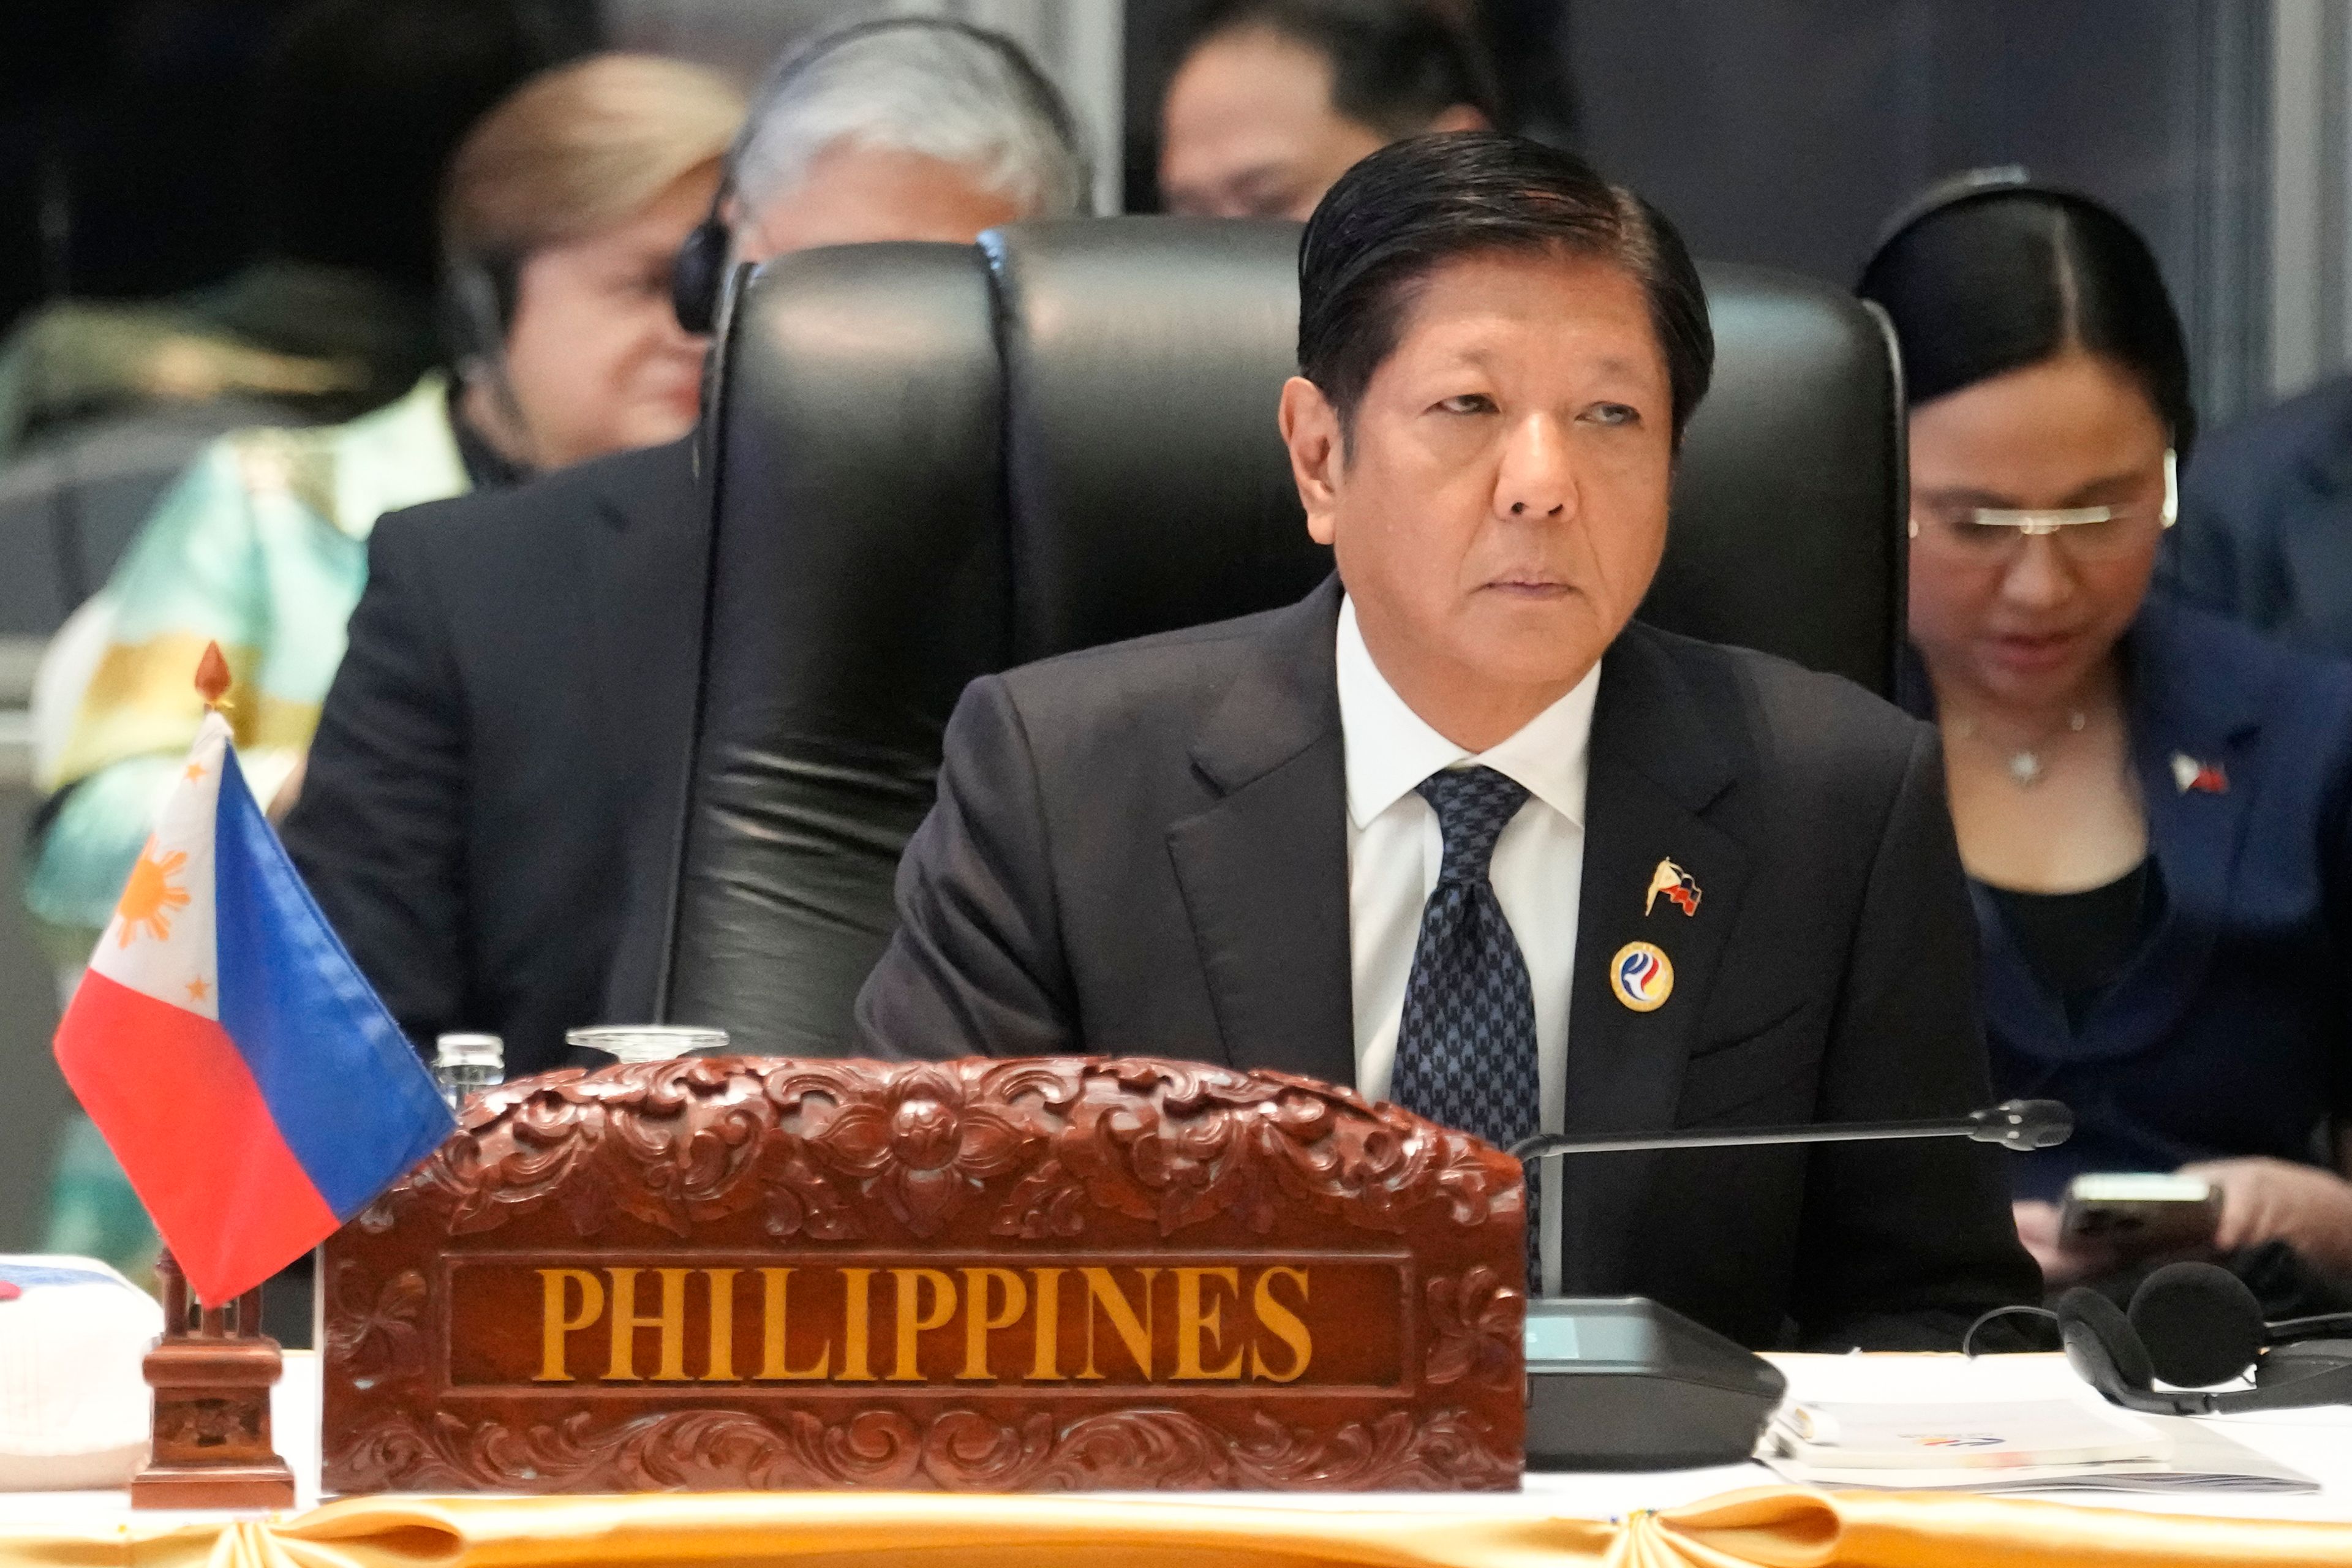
(1619, 1382)
(2304, 1358)
(2192, 1325)
(1624, 1383)
(2138, 1213)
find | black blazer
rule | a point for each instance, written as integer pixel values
(501, 753)
(1142, 849)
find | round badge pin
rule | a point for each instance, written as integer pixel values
(1642, 976)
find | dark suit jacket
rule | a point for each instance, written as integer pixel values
(502, 755)
(1142, 849)
(2230, 1030)
(2265, 533)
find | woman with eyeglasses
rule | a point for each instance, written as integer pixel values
(2154, 805)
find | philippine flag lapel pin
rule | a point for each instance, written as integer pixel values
(2204, 778)
(1681, 889)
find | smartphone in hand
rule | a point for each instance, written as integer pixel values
(2136, 1213)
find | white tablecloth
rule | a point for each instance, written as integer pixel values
(2317, 1442)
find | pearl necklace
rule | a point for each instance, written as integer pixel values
(2026, 766)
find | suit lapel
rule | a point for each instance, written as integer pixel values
(2182, 714)
(646, 569)
(644, 559)
(1264, 871)
(1655, 771)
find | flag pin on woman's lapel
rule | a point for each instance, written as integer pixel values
(2205, 778)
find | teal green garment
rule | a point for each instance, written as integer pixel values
(261, 546)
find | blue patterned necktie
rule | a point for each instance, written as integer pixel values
(1465, 1050)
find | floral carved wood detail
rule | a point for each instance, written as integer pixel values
(1318, 1291)
(377, 1332)
(960, 1450)
(681, 1143)
(1481, 1324)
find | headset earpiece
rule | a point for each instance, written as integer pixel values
(479, 302)
(472, 317)
(2105, 1353)
(2199, 1324)
(2206, 1327)
(697, 273)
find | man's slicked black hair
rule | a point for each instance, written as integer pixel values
(1396, 65)
(1416, 204)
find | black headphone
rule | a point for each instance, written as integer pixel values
(699, 275)
(1970, 184)
(699, 269)
(1981, 185)
(2195, 1325)
(477, 306)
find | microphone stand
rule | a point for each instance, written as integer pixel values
(2018, 1124)
(1623, 1383)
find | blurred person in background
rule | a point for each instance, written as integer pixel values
(562, 211)
(2265, 532)
(496, 780)
(2154, 804)
(339, 133)
(1272, 101)
(356, 106)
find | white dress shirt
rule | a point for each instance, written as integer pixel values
(1395, 850)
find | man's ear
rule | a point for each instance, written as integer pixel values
(1460, 117)
(1310, 428)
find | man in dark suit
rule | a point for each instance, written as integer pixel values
(1453, 831)
(469, 817)
(494, 790)
(2265, 533)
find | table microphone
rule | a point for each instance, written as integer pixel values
(1623, 1383)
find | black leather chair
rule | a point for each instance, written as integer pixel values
(930, 462)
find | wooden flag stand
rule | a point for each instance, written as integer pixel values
(212, 1375)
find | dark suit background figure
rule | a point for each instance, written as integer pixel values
(1141, 848)
(501, 754)
(2265, 533)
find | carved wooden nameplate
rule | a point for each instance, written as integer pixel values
(979, 1274)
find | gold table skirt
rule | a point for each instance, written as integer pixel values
(1772, 1527)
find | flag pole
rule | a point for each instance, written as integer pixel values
(212, 679)
(211, 1445)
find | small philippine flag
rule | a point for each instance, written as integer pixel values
(254, 1088)
(1680, 888)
